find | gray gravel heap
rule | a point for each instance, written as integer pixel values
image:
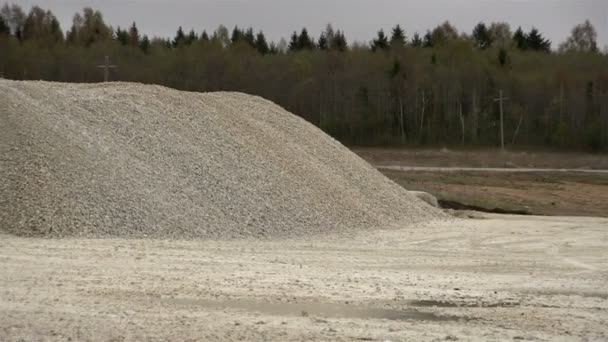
(133, 160)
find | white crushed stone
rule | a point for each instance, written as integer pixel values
(133, 160)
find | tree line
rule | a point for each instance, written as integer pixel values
(434, 88)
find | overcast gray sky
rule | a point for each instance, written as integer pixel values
(360, 19)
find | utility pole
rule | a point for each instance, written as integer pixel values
(561, 101)
(500, 99)
(106, 68)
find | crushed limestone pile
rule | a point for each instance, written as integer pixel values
(132, 160)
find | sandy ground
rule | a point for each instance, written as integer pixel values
(499, 278)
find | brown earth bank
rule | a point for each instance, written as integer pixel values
(572, 194)
(540, 193)
(497, 278)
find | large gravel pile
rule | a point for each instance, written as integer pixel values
(121, 159)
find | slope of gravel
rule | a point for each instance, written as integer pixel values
(122, 159)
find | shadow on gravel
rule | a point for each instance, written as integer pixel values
(313, 309)
(446, 304)
(587, 294)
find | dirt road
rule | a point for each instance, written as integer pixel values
(483, 169)
(502, 278)
(483, 158)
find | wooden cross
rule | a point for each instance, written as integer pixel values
(106, 68)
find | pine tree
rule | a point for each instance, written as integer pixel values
(260, 43)
(395, 69)
(304, 41)
(398, 38)
(339, 42)
(520, 39)
(121, 36)
(416, 41)
(71, 36)
(293, 43)
(381, 42)
(249, 37)
(180, 38)
(481, 35)
(56, 29)
(144, 44)
(204, 36)
(4, 29)
(191, 37)
(323, 44)
(428, 40)
(133, 35)
(536, 42)
(237, 35)
(19, 34)
(503, 57)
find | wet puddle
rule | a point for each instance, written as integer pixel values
(313, 309)
(586, 294)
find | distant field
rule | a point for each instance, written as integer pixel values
(546, 193)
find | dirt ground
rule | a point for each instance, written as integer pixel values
(539, 193)
(498, 278)
(572, 194)
(483, 158)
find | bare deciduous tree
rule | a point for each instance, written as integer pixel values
(583, 38)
